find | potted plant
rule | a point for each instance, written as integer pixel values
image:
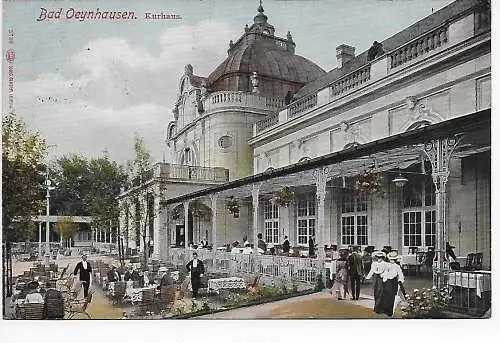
(284, 197)
(369, 183)
(426, 303)
(233, 207)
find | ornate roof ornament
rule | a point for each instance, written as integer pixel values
(260, 18)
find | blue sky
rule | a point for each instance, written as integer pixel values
(89, 86)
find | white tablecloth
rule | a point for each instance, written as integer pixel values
(226, 283)
(461, 260)
(410, 260)
(135, 294)
(481, 282)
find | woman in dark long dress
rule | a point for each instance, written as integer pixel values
(391, 278)
(377, 269)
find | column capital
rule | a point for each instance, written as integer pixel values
(439, 152)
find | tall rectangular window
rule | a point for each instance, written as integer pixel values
(419, 213)
(271, 222)
(354, 219)
(306, 219)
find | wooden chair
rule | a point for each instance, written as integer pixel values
(79, 306)
(469, 262)
(167, 297)
(477, 263)
(32, 311)
(412, 250)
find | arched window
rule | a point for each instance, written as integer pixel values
(187, 157)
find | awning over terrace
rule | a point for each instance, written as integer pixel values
(458, 137)
(394, 152)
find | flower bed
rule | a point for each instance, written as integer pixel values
(241, 301)
(426, 303)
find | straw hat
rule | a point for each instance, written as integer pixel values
(379, 254)
(393, 255)
(163, 269)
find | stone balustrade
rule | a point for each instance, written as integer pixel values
(195, 173)
(269, 121)
(302, 105)
(350, 81)
(223, 99)
(419, 46)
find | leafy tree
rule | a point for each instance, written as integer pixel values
(66, 228)
(88, 187)
(143, 213)
(22, 193)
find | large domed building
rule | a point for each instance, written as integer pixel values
(214, 115)
(273, 59)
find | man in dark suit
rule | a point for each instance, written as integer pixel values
(197, 269)
(355, 271)
(85, 274)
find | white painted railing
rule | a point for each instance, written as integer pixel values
(273, 268)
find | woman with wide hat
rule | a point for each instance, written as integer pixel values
(391, 277)
(377, 268)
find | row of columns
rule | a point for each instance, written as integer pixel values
(439, 153)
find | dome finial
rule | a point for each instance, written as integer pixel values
(260, 9)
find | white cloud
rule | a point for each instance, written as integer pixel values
(111, 89)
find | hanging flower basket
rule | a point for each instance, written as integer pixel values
(284, 197)
(369, 183)
(233, 207)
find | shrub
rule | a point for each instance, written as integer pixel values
(426, 303)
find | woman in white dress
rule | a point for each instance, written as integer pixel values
(391, 277)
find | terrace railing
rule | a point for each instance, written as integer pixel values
(273, 269)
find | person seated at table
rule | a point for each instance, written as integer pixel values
(127, 276)
(166, 278)
(247, 250)
(135, 276)
(449, 251)
(261, 244)
(33, 294)
(114, 275)
(235, 249)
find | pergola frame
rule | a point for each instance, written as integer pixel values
(459, 137)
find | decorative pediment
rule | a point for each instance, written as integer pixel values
(419, 114)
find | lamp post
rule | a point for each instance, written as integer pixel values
(39, 235)
(47, 221)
